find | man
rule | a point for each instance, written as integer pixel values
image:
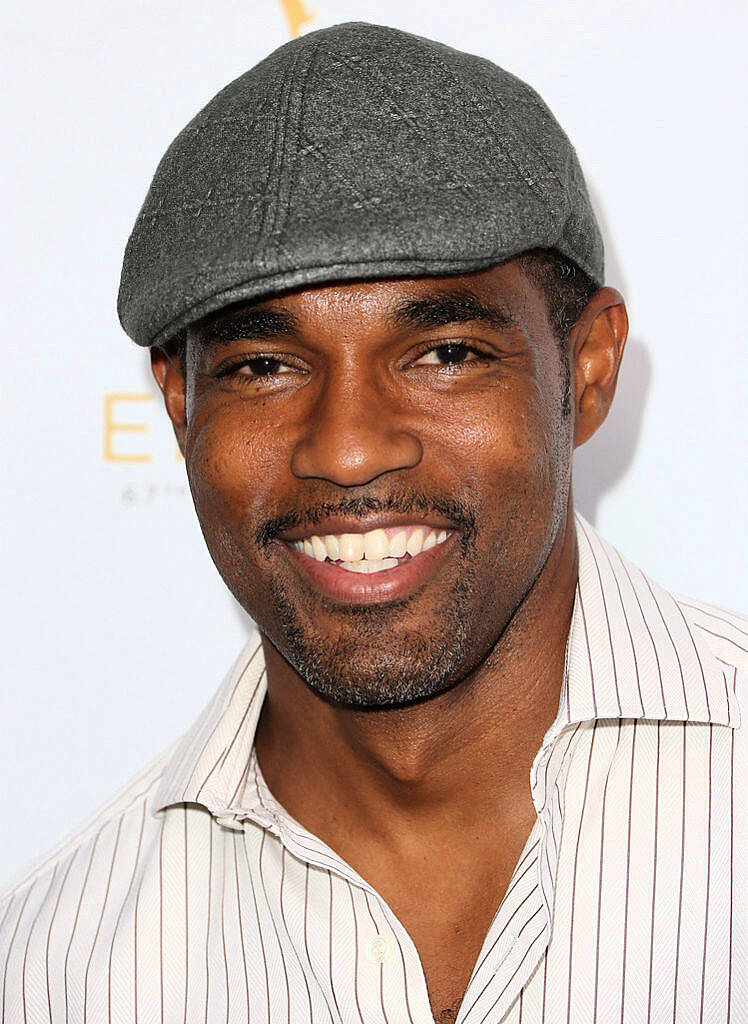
(475, 766)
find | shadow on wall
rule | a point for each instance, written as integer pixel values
(605, 458)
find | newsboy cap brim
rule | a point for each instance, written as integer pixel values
(355, 152)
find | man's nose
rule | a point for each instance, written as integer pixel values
(354, 434)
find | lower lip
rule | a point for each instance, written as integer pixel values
(348, 587)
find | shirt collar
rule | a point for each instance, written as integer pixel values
(632, 653)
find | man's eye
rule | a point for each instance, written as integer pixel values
(255, 367)
(263, 366)
(450, 354)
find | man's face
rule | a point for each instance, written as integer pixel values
(395, 406)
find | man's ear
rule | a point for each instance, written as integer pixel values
(168, 375)
(597, 341)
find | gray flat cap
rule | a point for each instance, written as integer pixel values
(357, 151)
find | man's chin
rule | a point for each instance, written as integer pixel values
(374, 685)
(375, 672)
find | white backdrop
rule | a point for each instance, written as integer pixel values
(117, 626)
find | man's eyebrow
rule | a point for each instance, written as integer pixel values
(249, 323)
(434, 310)
(448, 307)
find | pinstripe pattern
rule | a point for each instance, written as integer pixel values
(192, 896)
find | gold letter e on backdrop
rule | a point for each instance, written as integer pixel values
(297, 15)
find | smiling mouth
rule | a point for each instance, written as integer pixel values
(374, 551)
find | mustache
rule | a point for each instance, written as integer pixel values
(403, 503)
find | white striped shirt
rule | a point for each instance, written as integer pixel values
(193, 896)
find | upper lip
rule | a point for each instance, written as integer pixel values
(363, 524)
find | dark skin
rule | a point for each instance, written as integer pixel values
(427, 798)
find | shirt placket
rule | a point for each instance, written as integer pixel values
(520, 932)
(393, 986)
(515, 941)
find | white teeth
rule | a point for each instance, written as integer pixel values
(358, 566)
(399, 544)
(318, 549)
(351, 547)
(376, 545)
(415, 542)
(332, 544)
(386, 563)
(373, 548)
(366, 565)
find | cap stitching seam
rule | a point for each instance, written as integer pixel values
(294, 135)
(275, 176)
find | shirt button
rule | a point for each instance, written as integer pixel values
(378, 949)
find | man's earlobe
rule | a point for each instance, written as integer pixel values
(597, 342)
(168, 375)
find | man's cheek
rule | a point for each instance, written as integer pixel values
(212, 475)
(224, 456)
(510, 454)
(219, 503)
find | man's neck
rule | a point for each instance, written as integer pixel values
(432, 766)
